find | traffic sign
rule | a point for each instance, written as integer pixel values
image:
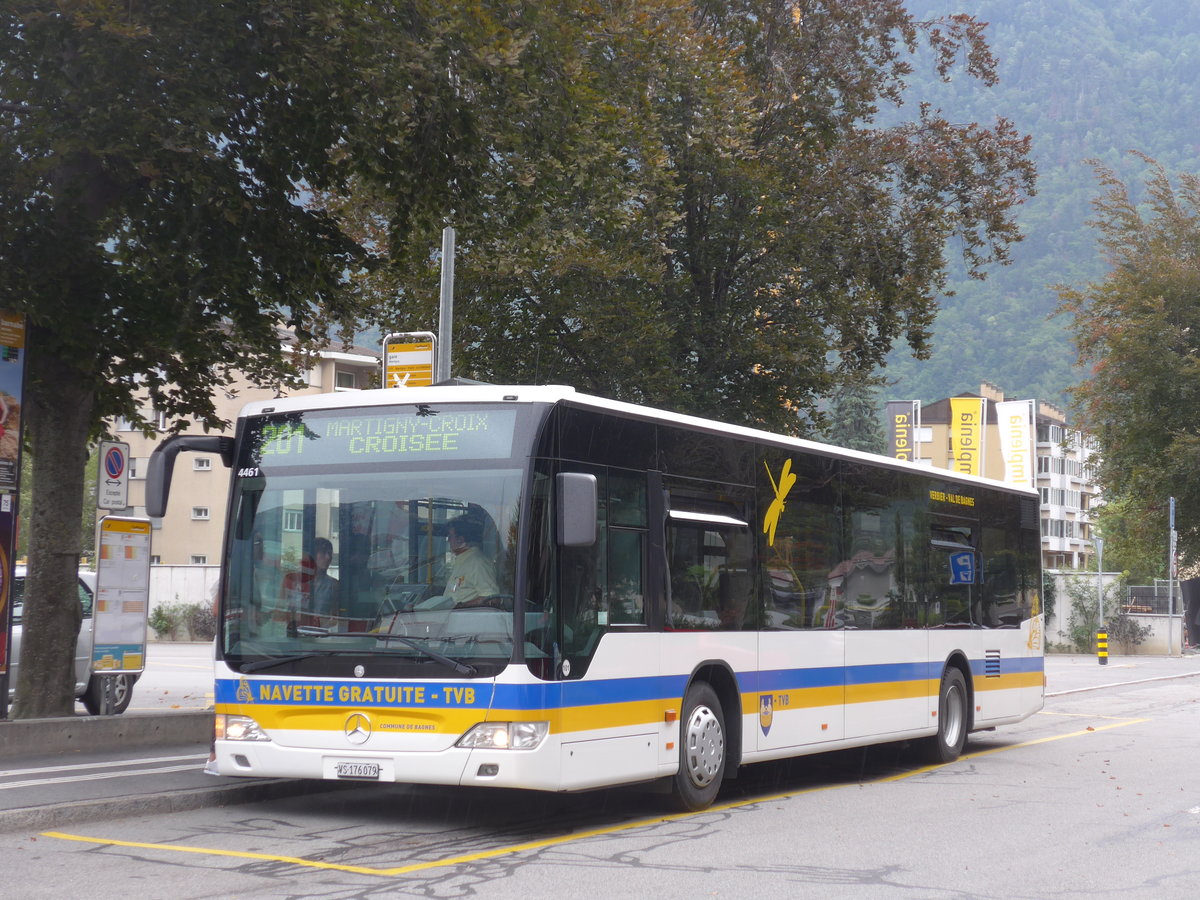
(408, 359)
(112, 480)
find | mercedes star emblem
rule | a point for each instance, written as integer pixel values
(358, 728)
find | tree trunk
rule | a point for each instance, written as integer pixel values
(59, 404)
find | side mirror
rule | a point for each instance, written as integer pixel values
(576, 509)
(162, 465)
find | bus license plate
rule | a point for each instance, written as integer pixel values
(366, 770)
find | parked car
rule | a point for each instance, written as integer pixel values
(89, 688)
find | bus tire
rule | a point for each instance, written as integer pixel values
(951, 737)
(701, 749)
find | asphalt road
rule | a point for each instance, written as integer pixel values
(1093, 796)
(177, 676)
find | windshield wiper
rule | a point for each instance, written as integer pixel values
(461, 668)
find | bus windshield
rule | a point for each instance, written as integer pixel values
(366, 533)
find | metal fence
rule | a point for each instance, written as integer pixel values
(1152, 599)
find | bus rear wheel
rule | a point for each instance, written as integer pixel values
(701, 749)
(951, 737)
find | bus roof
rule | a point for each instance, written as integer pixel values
(554, 394)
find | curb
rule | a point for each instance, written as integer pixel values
(40, 737)
(1097, 687)
(56, 815)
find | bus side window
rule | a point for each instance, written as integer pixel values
(627, 520)
(626, 565)
(710, 558)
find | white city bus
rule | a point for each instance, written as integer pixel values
(671, 598)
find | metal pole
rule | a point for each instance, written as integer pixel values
(1171, 538)
(446, 307)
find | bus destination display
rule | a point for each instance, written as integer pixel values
(315, 439)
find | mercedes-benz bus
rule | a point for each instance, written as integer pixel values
(671, 598)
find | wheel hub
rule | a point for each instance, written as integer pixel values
(704, 746)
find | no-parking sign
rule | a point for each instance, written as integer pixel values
(112, 481)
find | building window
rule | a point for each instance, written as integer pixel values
(293, 520)
(200, 513)
(199, 560)
(155, 560)
(202, 463)
(1054, 528)
(344, 379)
(137, 468)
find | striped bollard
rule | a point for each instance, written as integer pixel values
(1102, 646)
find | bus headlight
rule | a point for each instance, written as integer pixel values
(239, 728)
(505, 736)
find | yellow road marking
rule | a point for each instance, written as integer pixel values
(562, 839)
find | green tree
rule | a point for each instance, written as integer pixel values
(854, 419)
(1136, 333)
(705, 213)
(1083, 615)
(1132, 545)
(154, 163)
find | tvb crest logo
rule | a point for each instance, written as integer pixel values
(766, 712)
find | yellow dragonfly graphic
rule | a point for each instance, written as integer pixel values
(786, 481)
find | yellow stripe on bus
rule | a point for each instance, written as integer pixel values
(600, 716)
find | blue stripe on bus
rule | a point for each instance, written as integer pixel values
(791, 679)
(884, 673)
(1010, 665)
(568, 694)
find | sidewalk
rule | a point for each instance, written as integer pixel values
(58, 772)
(1070, 673)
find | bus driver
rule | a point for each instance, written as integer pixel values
(472, 576)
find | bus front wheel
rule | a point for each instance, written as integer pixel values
(701, 748)
(951, 737)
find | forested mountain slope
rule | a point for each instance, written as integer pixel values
(1087, 79)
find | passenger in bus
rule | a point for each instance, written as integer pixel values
(472, 577)
(312, 591)
(323, 599)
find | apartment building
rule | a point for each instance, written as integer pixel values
(1062, 472)
(191, 532)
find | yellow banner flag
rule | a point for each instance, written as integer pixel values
(966, 434)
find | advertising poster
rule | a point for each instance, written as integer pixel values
(122, 595)
(8, 540)
(12, 373)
